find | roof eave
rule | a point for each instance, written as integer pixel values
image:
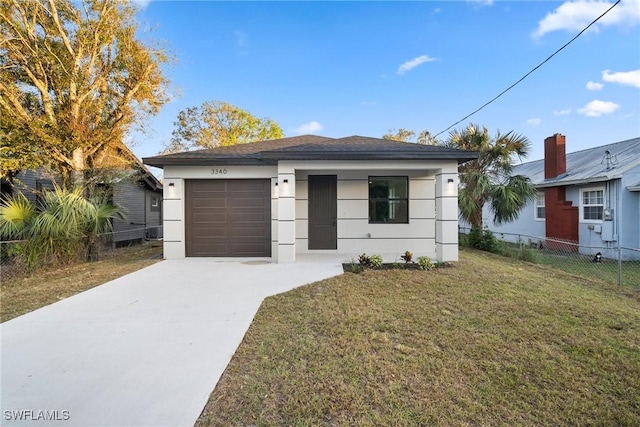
(161, 163)
(564, 183)
(462, 156)
(272, 158)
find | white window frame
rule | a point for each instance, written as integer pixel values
(536, 205)
(582, 205)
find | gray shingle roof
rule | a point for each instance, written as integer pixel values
(311, 147)
(587, 165)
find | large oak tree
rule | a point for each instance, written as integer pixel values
(218, 124)
(407, 135)
(74, 78)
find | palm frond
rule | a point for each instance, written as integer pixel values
(508, 199)
(16, 213)
(488, 177)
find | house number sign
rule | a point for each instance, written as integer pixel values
(216, 171)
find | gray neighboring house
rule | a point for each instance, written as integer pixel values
(590, 196)
(311, 194)
(137, 190)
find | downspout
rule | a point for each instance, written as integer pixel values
(146, 232)
(618, 227)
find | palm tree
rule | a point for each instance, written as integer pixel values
(66, 225)
(488, 179)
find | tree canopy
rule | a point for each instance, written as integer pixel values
(218, 124)
(407, 135)
(488, 179)
(74, 78)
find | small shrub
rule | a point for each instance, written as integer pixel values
(364, 260)
(376, 261)
(354, 267)
(484, 240)
(407, 257)
(474, 238)
(370, 261)
(463, 240)
(425, 263)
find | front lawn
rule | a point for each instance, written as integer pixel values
(20, 295)
(490, 341)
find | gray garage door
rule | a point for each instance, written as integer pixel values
(228, 218)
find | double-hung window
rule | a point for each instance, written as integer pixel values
(540, 211)
(388, 199)
(592, 204)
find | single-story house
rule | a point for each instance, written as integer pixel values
(312, 194)
(591, 197)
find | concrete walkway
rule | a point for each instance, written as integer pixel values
(146, 349)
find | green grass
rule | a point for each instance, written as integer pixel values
(489, 341)
(581, 265)
(20, 295)
(576, 263)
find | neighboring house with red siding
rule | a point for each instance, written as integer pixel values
(591, 196)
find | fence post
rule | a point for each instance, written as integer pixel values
(521, 247)
(619, 263)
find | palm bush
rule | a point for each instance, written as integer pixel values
(489, 179)
(65, 227)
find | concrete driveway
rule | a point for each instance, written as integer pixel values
(146, 349)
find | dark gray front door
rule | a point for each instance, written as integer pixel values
(228, 218)
(323, 210)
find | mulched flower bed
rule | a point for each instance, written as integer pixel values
(356, 267)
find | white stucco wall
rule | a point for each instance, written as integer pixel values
(433, 214)
(173, 199)
(355, 234)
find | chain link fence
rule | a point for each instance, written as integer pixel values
(616, 265)
(13, 254)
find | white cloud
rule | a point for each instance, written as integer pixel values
(597, 108)
(564, 112)
(628, 78)
(576, 15)
(482, 2)
(594, 85)
(311, 127)
(409, 65)
(142, 4)
(534, 122)
(241, 38)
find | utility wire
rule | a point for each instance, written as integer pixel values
(530, 72)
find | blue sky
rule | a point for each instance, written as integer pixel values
(362, 68)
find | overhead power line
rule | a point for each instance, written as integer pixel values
(530, 72)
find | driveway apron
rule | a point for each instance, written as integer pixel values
(146, 349)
